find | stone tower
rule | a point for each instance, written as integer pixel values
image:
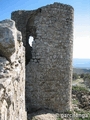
(49, 60)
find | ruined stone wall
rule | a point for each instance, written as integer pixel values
(12, 73)
(49, 71)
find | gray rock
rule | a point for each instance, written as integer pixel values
(8, 38)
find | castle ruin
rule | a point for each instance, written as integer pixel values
(48, 62)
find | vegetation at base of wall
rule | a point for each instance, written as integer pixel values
(83, 112)
(78, 88)
(75, 101)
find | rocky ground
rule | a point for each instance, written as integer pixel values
(43, 115)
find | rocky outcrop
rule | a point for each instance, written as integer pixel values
(12, 73)
(9, 36)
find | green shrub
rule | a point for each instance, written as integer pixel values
(78, 88)
(59, 118)
(75, 76)
(82, 75)
(86, 76)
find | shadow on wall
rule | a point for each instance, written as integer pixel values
(30, 36)
(29, 49)
(28, 53)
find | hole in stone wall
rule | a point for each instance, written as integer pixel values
(31, 39)
(30, 36)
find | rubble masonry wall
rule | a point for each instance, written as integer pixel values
(49, 63)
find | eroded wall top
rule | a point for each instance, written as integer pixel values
(21, 17)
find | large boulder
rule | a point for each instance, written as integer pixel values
(8, 39)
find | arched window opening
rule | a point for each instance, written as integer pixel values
(31, 39)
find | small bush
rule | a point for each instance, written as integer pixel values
(59, 118)
(82, 75)
(86, 76)
(75, 76)
(78, 88)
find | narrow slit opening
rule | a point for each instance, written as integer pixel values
(31, 39)
(29, 49)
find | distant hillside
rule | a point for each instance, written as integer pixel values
(81, 63)
(80, 71)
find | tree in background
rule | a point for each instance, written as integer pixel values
(75, 76)
(82, 75)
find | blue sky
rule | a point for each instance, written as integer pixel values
(81, 47)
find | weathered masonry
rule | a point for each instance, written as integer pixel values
(49, 61)
(12, 73)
